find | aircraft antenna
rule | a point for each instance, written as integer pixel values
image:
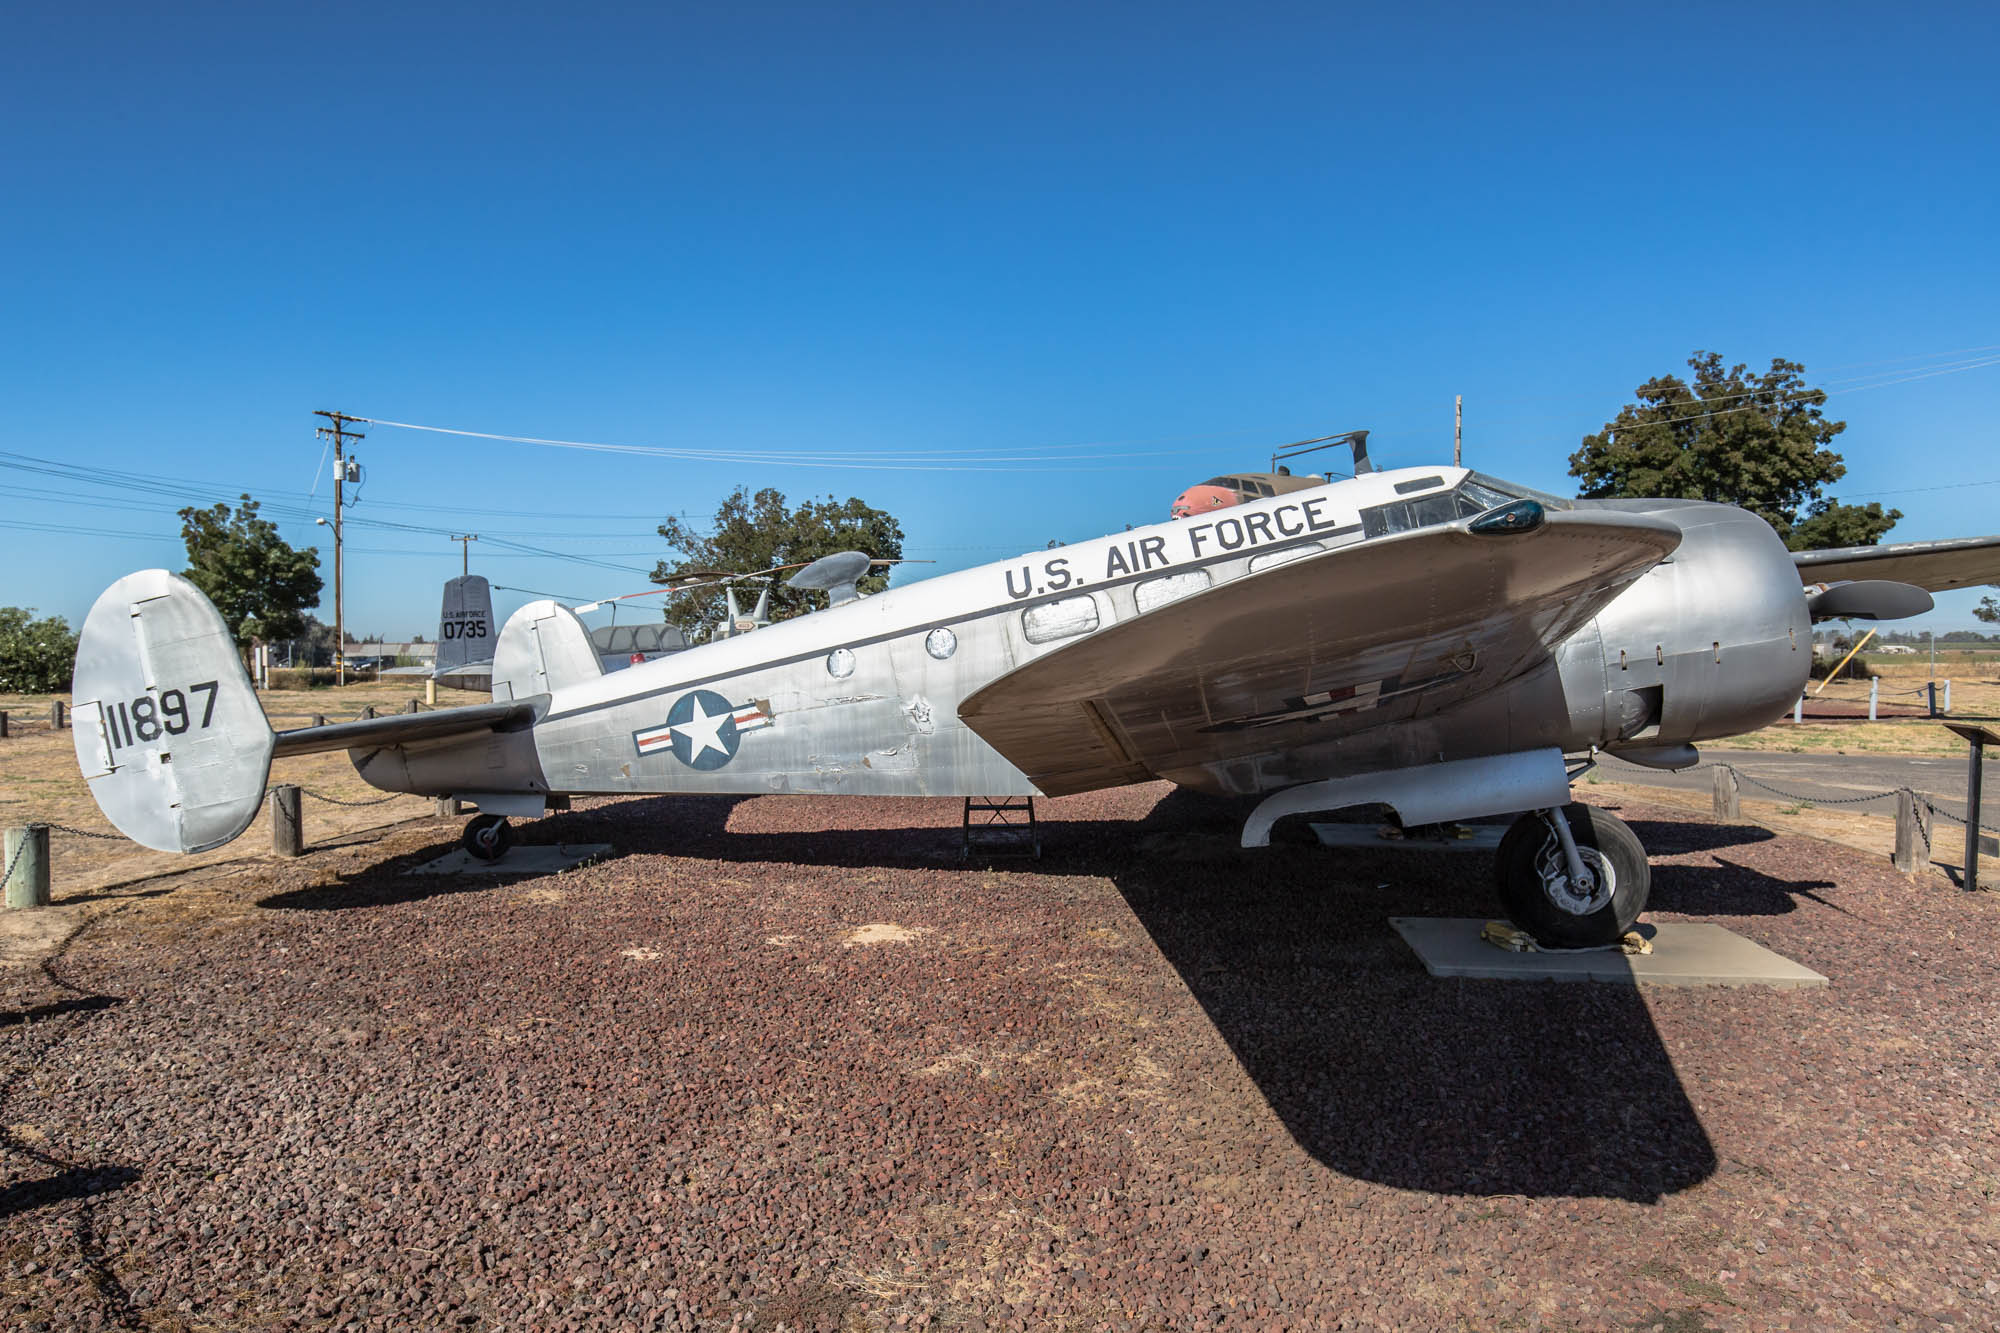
(1357, 440)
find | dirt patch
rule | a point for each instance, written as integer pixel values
(881, 932)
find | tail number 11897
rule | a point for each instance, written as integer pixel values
(142, 720)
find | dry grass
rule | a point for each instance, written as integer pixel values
(1975, 697)
(40, 784)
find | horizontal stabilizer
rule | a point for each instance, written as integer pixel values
(168, 730)
(373, 733)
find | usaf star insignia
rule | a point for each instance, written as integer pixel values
(703, 730)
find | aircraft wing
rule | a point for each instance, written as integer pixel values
(1351, 639)
(1960, 562)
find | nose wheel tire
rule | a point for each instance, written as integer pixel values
(487, 837)
(1544, 899)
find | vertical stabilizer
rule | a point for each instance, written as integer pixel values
(169, 732)
(543, 648)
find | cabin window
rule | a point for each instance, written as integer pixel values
(1156, 593)
(940, 643)
(1059, 620)
(1385, 519)
(840, 664)
(1420, 484)
(1272, 559)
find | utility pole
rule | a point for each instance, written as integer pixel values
(465, 550)
(1457, 430)
(340, 435)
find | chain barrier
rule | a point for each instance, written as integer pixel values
(1959, 820)
(1815, 800)
(335, 800)
(86, 833)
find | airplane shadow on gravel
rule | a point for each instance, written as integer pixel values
(1380, 1070)
(388, 882)
(81, 1182)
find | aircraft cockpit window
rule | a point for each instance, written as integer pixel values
(1493, 493)
(1484, 496)
(1059, 620)
(1432, 510)
(1155, 593)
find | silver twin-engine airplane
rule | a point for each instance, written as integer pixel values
(1427, 638)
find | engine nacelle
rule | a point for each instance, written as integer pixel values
(1713, 641)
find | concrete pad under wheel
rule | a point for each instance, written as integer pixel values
(519, 860)
(1685, 953)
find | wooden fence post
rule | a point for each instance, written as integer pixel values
(56, 711)
(414, 706)
(1913, 833)
(3, 724)
(1728, 800)
(288, 836)
(27, 851)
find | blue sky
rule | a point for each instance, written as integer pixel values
(1182, 234)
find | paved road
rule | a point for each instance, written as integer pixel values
(1823, 778)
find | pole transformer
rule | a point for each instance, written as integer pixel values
(340, 435)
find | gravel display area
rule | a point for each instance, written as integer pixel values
(785, 1063)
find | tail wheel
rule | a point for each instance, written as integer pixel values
(487, 837)
(1544, 899)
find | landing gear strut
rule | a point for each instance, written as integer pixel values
(1573, 878)
(487, 837)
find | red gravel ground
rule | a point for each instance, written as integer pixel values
(1149, 1082)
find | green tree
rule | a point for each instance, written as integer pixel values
(36, 656)
(758, 532)
(1755, 441)
(257, 581)
(1988, 610)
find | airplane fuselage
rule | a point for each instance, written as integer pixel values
(865, 698)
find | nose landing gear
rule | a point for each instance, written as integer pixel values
(1573, 878)
(487, 837)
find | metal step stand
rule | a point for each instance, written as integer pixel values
(1005, 827)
